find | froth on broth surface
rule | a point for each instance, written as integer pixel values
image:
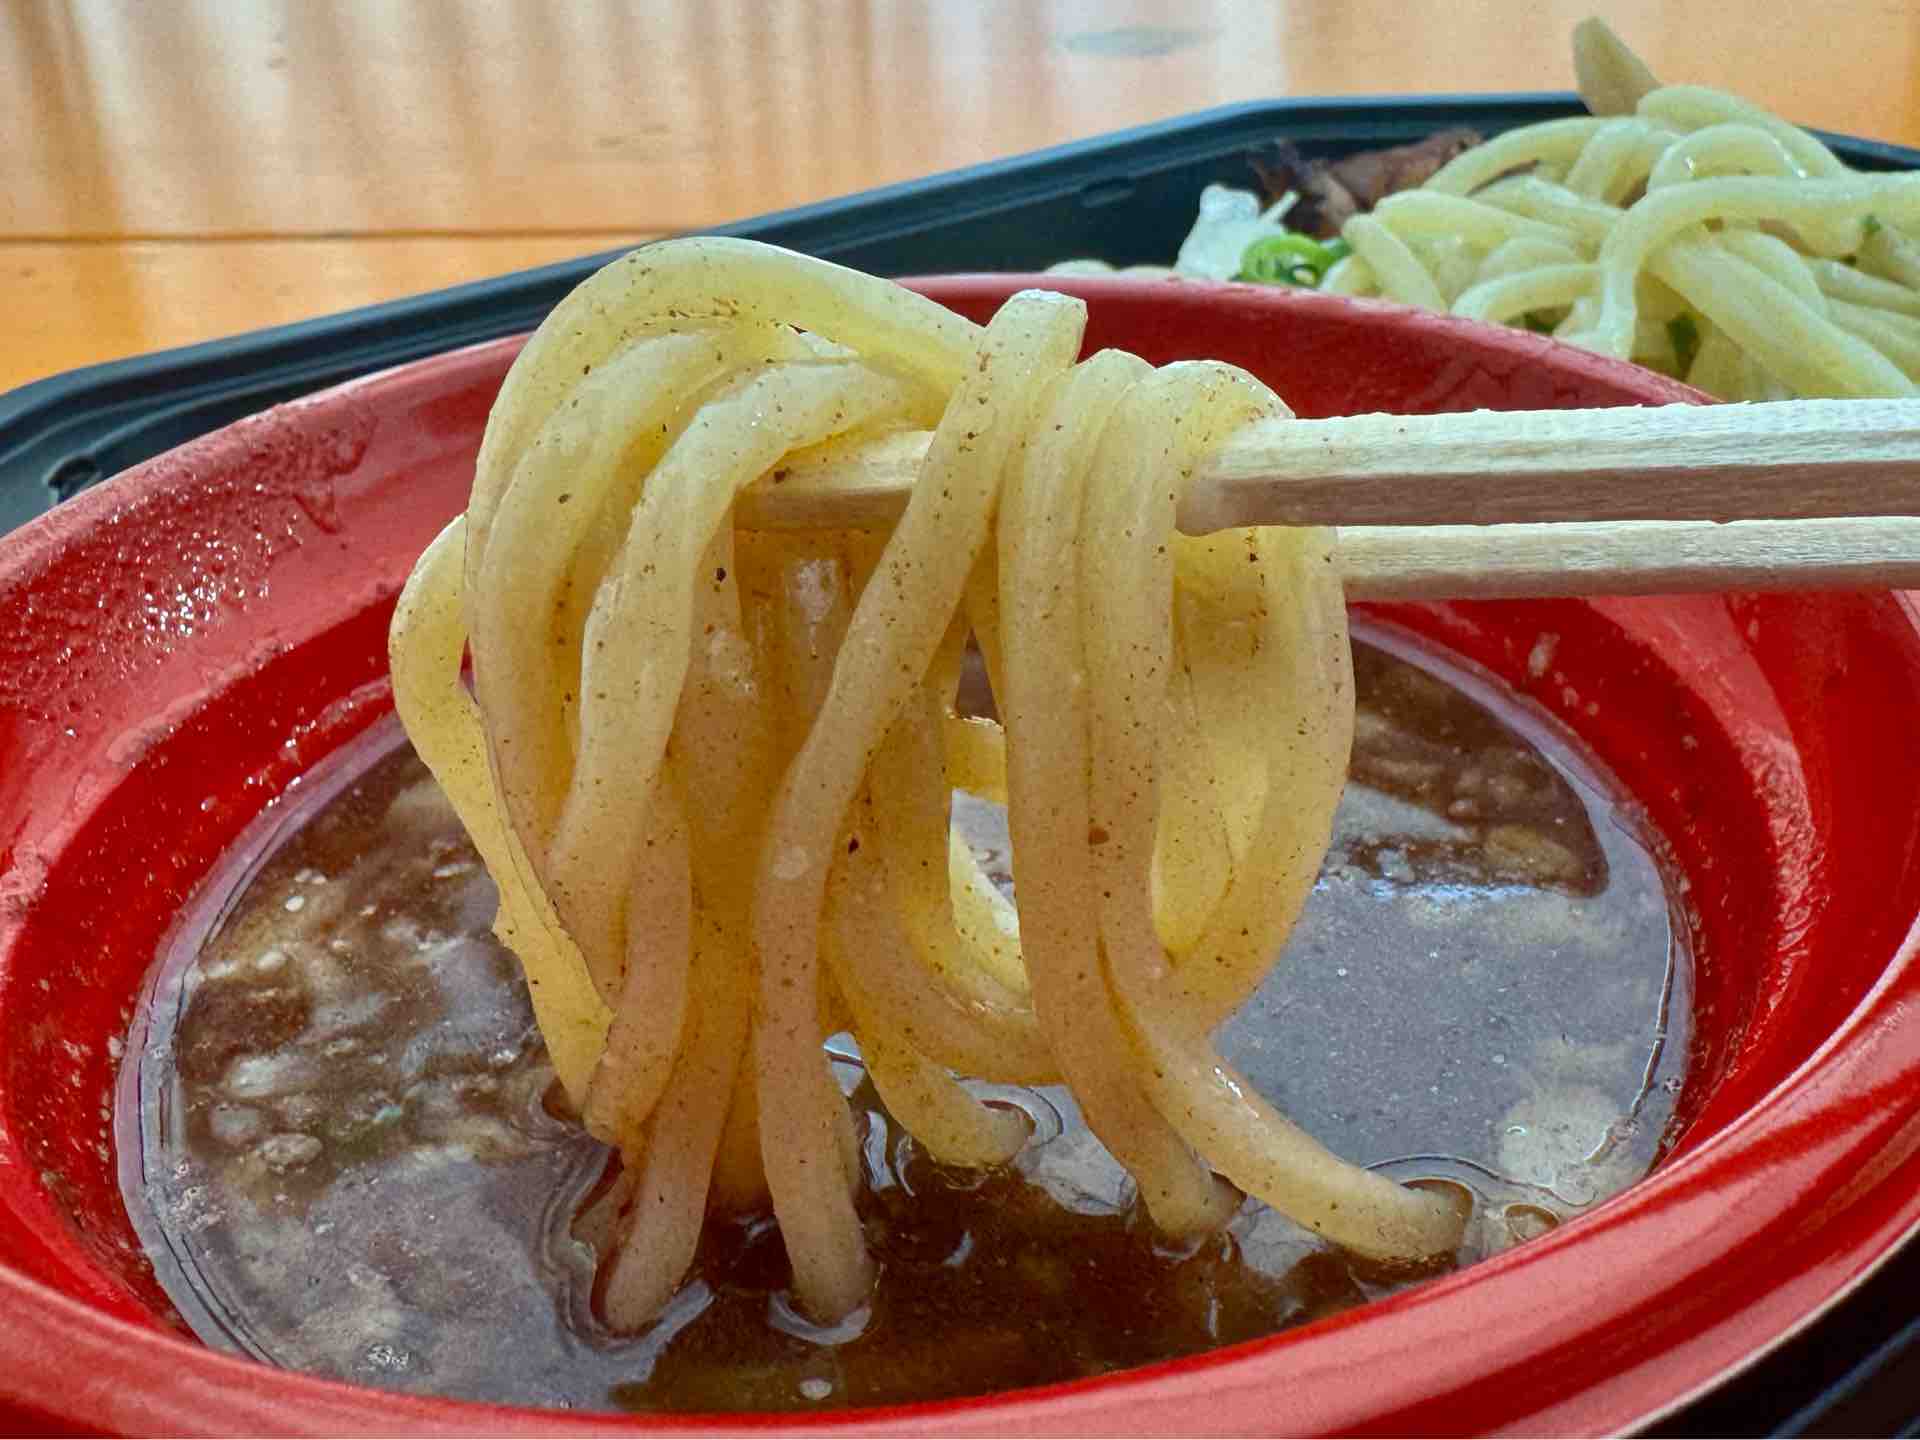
(343, 1157)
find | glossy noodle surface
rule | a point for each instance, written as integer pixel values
(708, 768)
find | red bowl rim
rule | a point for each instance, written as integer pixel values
(118, 1373)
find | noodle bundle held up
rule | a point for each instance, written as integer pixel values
(710, 768)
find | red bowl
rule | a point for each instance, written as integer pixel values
(184, 641)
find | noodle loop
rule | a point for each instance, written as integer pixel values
(1720, 223)
(710, 768)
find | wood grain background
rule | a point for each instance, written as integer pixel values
(174, 171)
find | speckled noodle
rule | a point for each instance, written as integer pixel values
(711, 768)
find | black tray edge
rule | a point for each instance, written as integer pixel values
(67, 431)
(62, 433)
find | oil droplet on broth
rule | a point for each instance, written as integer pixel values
(336, 1145)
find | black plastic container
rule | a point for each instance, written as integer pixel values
(1126, 198)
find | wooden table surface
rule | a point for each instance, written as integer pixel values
(173, 171)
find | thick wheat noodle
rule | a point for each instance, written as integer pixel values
(1397, 270)
(676, 1148)
(1538, 288)
(1733, 148)
(948, 1019)
(429, 637)
(1827, 214)
(1419, 212)
(1277, 674)
(1844, 282)
(739, 1174)
(895, 987)
(1803, 348)
(1619, 157)
(920, 1093)
(594, 454)
(1043, 702)
(1581, 225)
(636, 645)
(652, 1002)
(965, 1006)
(1891, 255)
(1552, 142)
(1695, 107)
(710, 770)
(1894, 335)
(1778, 261)
(1577, 219)
(1518, 256)
(890, 642)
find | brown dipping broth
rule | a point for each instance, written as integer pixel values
(337, 1146)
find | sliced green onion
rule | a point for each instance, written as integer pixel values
(1288, 259)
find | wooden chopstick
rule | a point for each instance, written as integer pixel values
(1629, 557)
(1790, 460)
(1553, 502)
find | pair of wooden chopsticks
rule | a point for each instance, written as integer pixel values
(1794, 495)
